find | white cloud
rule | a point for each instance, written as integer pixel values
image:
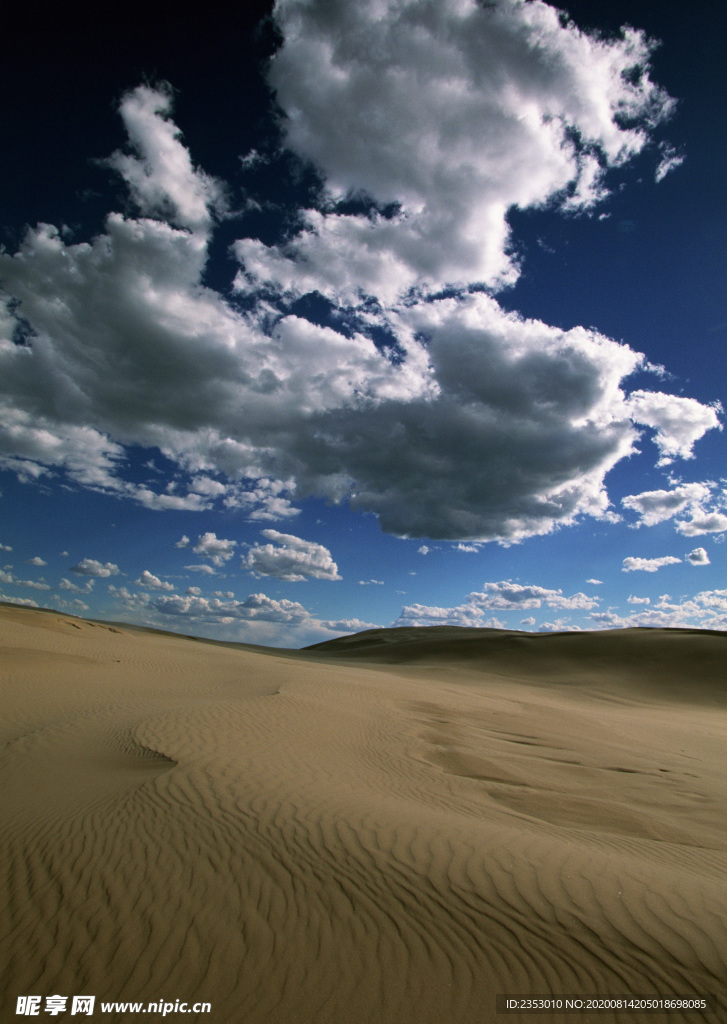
(161, 177)
(152, 582)
(257, 606)
(632, 564)
(670, 159)
(638, 600)
(30, 443)
(656, 506)
(25, 601)
(502, 596)
(426, 615)
(705, 610)
(201, 568)
(347, 626)
(509, 595)
(91, 567)
(218, 550)
(5, 547)
(267, 500)
(423, 550)
(8, 578)
(558, 626)
(678, 422)
(595, 583)
(183, 542)
(87, 587)
(703, 522)
(255, 619)
(698, 557)
(530, 621)
(290, 558)
(482, 104)
(36, 561)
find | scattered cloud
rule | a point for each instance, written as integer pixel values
(219, 551)
(87, 587)
(267, 500)
(256, 606)
(8, 578)
(90, 567)
(706, 610)
(26, 601)
(595, 583)
(461, 615)
(152, 582)
(558, 626)
(290, 558)
(36, 561)
(507, 594)
(656, 506)
(670, 159)
(501, 596)
(703, 522)
(638, 600)
(263, 618)
(698, 557)
(632, 564)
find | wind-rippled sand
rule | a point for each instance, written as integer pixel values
(388, 829)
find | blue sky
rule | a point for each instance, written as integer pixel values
(322, 317)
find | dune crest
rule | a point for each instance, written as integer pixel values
(385, 829)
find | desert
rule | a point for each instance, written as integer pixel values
(394, 827)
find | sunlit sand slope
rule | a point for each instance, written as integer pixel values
(389, 829)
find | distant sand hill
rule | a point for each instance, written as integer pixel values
(391, 828)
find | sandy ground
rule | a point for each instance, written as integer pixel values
(392, 829)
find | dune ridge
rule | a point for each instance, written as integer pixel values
(389, 828)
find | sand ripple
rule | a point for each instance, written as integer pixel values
(301, 839)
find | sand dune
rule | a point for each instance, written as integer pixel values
(384, 829)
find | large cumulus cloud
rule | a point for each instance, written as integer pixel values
(469, 423)
(453, 112)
